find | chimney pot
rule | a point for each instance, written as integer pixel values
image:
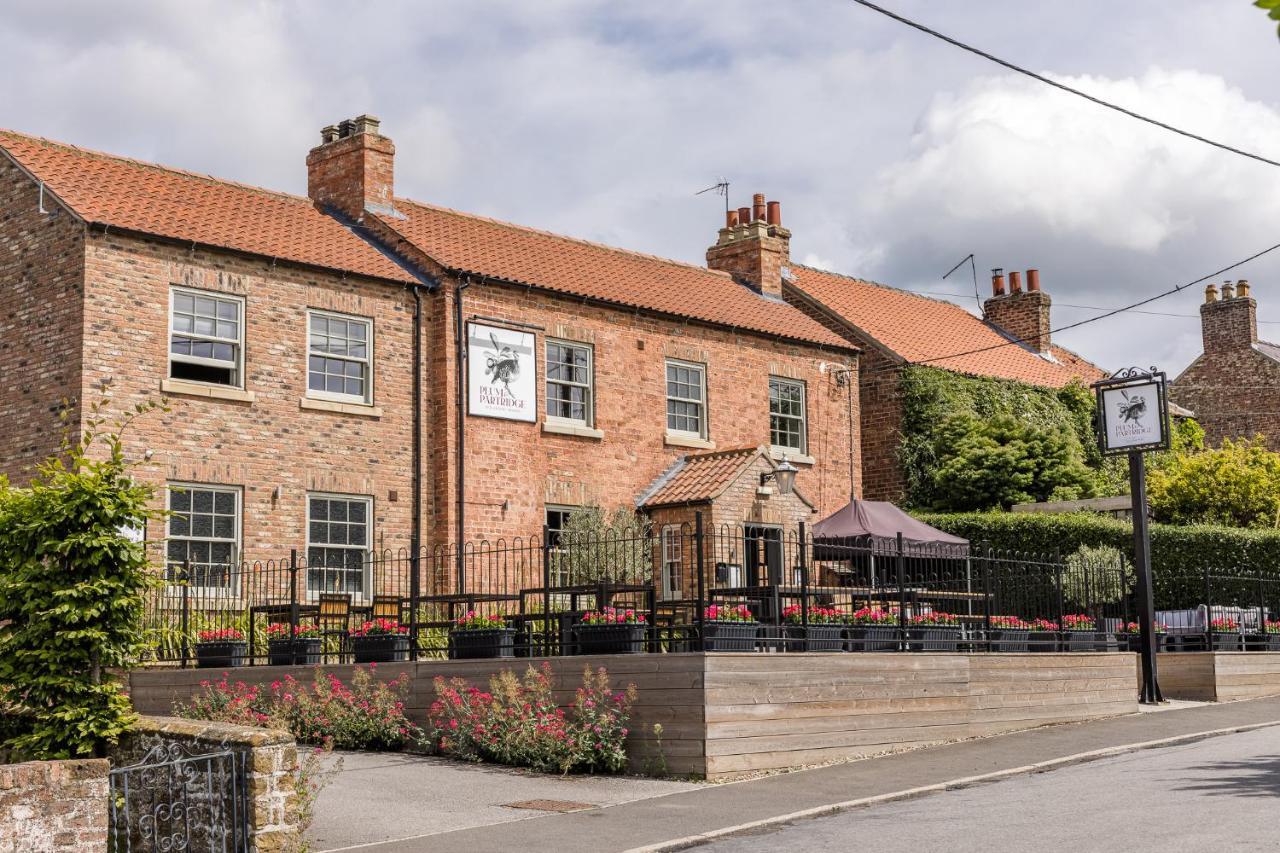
(997, 282)
(1015, 281)
(1242, 289)
(1228, 292)
(730, 218)
(328, 134)
(757, 207)
(345, 128)
(774, 214)
(1211, 293)
(744, 215)
(367, 124)
(1033, 281)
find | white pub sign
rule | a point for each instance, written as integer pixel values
(502, 373)
(1133, 413)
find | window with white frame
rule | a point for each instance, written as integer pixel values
(203, 535)
(206, 337)
(557, 519)
(786, 414)
(569, 379)
(339, 357)
(672, 562)
(339, 529)
(686, 399)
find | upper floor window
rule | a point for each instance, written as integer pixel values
(786, 414)
(569, 379)
(686, 399)
(203, 535)
(339, 357)
(206, 337)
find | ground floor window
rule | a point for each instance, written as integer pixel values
(557, 521)
(672, 562)
(203, 535)
(339, 531)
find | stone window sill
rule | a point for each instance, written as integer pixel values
(361, 409)
(215, 392)
(792, 456)
(570, 428)
(677, 440)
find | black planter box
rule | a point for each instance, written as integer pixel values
(1133, 642)
(1273, 642)
(933, 638)
(1009, 639)
(1225, 642)
(625, 638)
(729, 636)
(1084, 641)
(872, 638)
(482, 643)
(232, 653)
(380, 648)
(816, 638)
(1042, 641)
(304, 650)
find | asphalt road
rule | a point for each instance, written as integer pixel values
(1220, 794)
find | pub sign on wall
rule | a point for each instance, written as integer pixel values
(502, 373)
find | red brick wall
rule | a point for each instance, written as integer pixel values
(41, 269)
(1022, 314)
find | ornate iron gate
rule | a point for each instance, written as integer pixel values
(171, 802)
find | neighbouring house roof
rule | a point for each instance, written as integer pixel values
(918, 329)
(703, 477)
(487, 247)
(174, 204)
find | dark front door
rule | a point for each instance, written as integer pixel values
(763, 555)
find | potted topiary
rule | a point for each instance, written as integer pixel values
(1042, 635)
(1131, 637)
(1008, 634)
(221, 647)
(824, 633)
(933, 632)
(380, 641)
(729, 629)
(1224, 635)
(611, 631)
(304, 648)
(1080, 634)
(872, 630)
(479, 635)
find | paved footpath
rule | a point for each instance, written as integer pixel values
(696, 816)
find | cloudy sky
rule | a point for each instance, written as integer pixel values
(894, 155)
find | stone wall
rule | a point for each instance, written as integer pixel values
(48, 806)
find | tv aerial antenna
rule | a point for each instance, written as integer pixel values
(720, 187)
(968, 259)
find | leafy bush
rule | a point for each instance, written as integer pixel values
(517, 722)
(1237, 484)
(1097, 575)
(597, 545)
(72, 585)
(367, 714)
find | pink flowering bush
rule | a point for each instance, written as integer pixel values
(1042, 625)
(612, 616)
(1224, 625)
(817, 615)
(518, 722)
(936, 618)
(473, 621)
(1271, 627)
(221, 635)
(1135, 628)
(1078, 622)
(280, 631)
(365, 714)
(725, 613)
(380, 627)
(1008, 623)
(873, 616)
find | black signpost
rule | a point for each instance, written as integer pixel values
(1133, 418)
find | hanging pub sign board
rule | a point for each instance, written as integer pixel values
(502, 373)
(1133, 411)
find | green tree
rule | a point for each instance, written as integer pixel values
(72, 583)
(597, 545)
(1237, 484)
(1273, 10)
(999, 461)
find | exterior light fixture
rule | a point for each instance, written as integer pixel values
(784, 475)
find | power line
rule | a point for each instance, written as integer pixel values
(1083, 307)
(1019, 69)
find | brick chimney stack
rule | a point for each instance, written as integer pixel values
(1022, 314)
(1229, 323)
(753, 246)
(352, 168)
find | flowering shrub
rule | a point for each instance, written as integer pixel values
(473, 621)
(1041, 625)
(873, 616)
(1224, 625)
(936, 618)
(517, 722)
(221, 635)
(1009, 623)
(724, 613)
(1078, 622)
(380, 628)
(366, 714)
(1271, 627)
(1135, 628)
(817, 615)
(280, 631)
(612, 616)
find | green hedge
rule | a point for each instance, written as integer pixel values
(1179, 554)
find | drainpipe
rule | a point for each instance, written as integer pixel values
(461, 339)
(415, 537)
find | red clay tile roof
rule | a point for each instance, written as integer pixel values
(930, 331)
(699, 476)
(142, 197)
(500, 250)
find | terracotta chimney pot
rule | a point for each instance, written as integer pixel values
(744, 215)
(757, 204)
(774, 214)
(1211, 293)
(730, 218)
(1033, 281)
(1015, 281)
(997, 282)
(1242, 289)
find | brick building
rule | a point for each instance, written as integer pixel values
(282, 332)
(895, 328)
(1232, 386)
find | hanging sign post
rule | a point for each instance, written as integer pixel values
(1133, 418)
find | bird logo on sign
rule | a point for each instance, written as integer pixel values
(502, 365)
(1133, 408)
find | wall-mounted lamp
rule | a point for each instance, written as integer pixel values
(784, 475)
(277, 493)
